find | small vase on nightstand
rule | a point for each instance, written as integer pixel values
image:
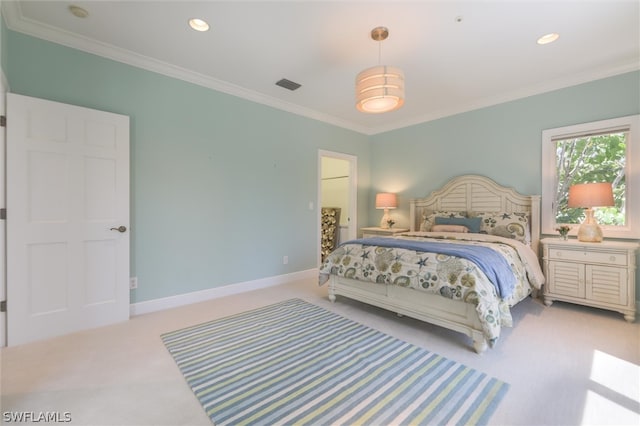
(564, 232)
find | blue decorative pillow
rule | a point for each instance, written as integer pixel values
(473, 223)
(429, 220)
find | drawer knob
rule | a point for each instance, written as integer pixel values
(612, 258)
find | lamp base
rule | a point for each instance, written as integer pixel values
(385, 217)
(589, 231)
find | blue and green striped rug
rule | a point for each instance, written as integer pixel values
(296, 363)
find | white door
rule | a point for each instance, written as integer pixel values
(67, 195)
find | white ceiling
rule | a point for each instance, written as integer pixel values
(489, 57)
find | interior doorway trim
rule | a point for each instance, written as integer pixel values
(353, 195)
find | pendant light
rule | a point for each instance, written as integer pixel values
(380, 88)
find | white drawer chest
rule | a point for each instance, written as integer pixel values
(382, 232)
(593, 274)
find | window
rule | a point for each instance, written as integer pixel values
(602, 151)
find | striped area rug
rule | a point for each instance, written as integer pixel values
(296, 363)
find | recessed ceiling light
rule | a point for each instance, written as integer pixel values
(548, 38)
(198, 24)
(78, 11)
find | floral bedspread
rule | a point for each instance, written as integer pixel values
(451, 277)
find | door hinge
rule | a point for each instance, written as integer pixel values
(3, 121)
(3, 214)
(3, 306)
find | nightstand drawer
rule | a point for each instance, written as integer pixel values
(382, 232)
(588, 256)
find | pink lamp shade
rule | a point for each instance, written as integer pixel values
(386, 200)
(591, 195)
(588, 195)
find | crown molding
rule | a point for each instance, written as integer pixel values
(549, 86)
(15, 21)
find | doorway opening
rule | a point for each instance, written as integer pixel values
(337, 189)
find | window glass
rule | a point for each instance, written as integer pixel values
(591, 158)
(602, 151)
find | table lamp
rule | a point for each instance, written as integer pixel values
(386, 201)
(588, 195)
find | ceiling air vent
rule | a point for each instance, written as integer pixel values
(288, 84)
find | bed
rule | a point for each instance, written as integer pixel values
(470, 255)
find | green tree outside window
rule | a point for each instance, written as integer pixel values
(593, 158)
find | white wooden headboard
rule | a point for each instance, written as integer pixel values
(474, 193)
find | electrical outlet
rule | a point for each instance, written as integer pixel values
(285, 260)
(133, 283)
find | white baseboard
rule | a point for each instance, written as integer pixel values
(217, 292)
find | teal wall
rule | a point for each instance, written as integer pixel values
(215, 177)
(3, 42)
(220, 186)
(503, 142)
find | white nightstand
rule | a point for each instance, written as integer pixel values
(381, 232)
(593, 274)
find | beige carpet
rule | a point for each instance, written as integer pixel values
(566, 364)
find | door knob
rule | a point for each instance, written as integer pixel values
(120, 228)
